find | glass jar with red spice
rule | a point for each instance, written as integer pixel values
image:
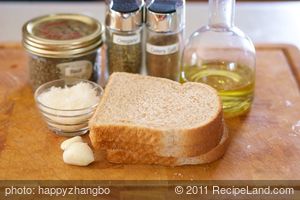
(63, 46)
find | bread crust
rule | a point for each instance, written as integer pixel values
(130, 157)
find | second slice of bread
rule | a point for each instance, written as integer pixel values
(144, 157)
(161, 150)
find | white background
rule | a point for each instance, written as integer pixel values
(263, 22)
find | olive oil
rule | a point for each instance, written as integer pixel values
(234, 83)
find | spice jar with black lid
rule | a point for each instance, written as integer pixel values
(165, 21)
(124, 23)
(63, 46)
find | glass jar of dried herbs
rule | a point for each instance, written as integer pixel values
(164, 32)
(63, 46)
(124, 20)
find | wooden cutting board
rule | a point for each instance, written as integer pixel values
(265, 144)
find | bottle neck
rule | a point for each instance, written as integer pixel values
(221, 13)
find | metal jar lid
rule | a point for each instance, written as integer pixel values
(62, 35)
(122, 18)
(160, 18)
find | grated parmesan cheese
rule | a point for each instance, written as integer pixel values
(79, 96)
(70, 108)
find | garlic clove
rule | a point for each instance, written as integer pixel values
(78, 153)
(65, 144)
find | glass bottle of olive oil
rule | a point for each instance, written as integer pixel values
(223, 57)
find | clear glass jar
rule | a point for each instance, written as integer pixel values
(163, 52)
(124, 51)
(63, 46)
(124, 21)
(165, 21)
(222, 56)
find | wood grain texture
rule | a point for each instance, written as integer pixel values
(263, 144)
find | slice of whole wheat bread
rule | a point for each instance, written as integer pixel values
(142, 157)
(159, 112)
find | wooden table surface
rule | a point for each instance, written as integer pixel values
(265, 144)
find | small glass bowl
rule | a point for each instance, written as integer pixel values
(67, 122)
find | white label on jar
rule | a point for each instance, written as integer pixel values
(127, 40)
(78, 69)
(162, 50)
